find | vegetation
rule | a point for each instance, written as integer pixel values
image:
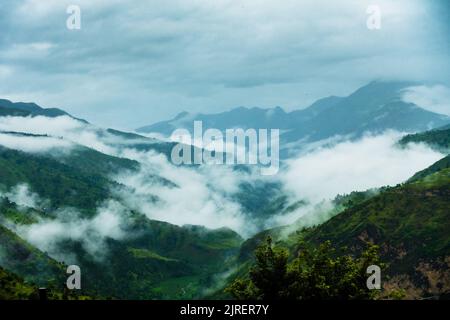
(436, 167)
(408, 225)
(33, 265)
(146, 265)
(316, 273)
(438, 139)
(60, 183)
(14, 288)
(142, 266)
(159, 256)
(92, 162)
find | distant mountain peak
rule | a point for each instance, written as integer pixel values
(375, 107)
(24, 109)
(181, 115)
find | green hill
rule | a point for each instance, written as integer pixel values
(436, 167)
(23, 259)
(162, 262)
(157, 260)
(438, 139)
(60, 183)
(13, 287)
(410, 223)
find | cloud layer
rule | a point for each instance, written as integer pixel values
(24, 197)
(200, 196)
(109, 222)
(206, 195)
(433, 98)
(370, 162)
(206, 56)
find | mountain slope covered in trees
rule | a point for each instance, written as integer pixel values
(409, 223)
(156, 259)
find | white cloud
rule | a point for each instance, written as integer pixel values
(5, 71)
(370, 162)
(32, 50)
(34, 144)
(35, 9)
(201, 196)
(24, 197)
(205, 195)
(320, 174)
(433, 98)
(41, 125)
(205, 56)
(47, 234)
(60, 127)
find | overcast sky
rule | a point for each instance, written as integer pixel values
(136, 62)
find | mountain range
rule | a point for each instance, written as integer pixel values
(375, 107)
(154, 259)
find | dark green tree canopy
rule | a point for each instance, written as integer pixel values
(315, 273)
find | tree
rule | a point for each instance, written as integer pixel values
(316, 273)
(268, 277)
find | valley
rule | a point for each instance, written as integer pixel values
(141, 227)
